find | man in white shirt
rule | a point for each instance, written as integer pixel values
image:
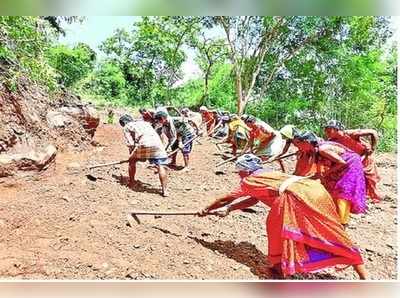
(144, 144)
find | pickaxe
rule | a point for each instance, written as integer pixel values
(135, 214)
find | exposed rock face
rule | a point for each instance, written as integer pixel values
(65, 116)
(86, 115)
(34, 125)
(57, 119)
(10, 164)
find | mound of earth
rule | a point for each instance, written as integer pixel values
(31, 121)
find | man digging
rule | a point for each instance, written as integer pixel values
(144, 144)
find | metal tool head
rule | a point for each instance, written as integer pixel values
(91, 177)
(136, 218)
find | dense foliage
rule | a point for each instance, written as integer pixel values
(298, 70)
(72, 65)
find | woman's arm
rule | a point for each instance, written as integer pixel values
(249, 144)
(223, 201)
(284, 150)
(194, 125)
(224, 211)
(243, 204)
(339, 163)
(371, 133)
(218, 203)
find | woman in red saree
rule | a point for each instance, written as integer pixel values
(339, 169)
(209, 118)
(303, 228)
(335, 132)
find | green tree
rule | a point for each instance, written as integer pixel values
(72, 64)
(23, 44)
(109, 80)
(210, 53)
(151, 55)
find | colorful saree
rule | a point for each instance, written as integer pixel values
(303, 228)
(370, 169)
(348, 184)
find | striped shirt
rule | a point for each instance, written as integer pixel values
(183, 127)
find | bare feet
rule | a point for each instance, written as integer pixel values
(362, 273)
(276, 271)
(185, 169)
(133, 183)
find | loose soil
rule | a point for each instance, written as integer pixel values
(62, 225)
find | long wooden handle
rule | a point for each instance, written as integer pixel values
(279, 158)
(161, 213)
(226, 161)
(203, 124)
(184, 144)
(109, 164)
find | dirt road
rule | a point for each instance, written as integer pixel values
(62, 225)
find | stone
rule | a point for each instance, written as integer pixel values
(33, 160)
(65, 198)
(56, 119)
(133, 202)
(73, 166)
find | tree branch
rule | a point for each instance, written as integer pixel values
(296, 50)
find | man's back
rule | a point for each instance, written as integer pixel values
(142, 133)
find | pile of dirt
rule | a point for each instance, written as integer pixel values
(31, 121)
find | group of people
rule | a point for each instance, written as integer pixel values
(155, 133)
(309, 209)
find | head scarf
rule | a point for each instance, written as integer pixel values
(125, 119)
(185, 110)
(225, 119)
(307, 136)
(334, 124)
(288, 131)
(248, 163)
(203, 109)
(160, 114)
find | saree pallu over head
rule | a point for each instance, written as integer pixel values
(303, 228)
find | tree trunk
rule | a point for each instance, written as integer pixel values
(240, 103)
(206, 78)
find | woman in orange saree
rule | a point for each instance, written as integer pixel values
(303, 228)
